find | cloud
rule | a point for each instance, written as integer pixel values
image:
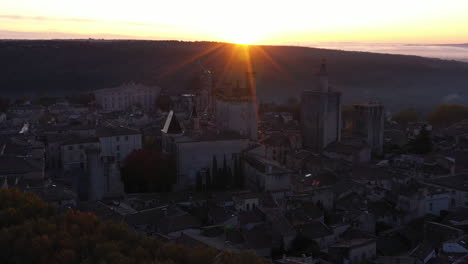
(81, 20)
(451, 98)
(10, 34)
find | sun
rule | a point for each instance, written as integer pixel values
(241, 35)
(244, 38)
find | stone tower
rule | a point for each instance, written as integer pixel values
(236, 101)
(368, 122)
(320, 114)
(204, 100)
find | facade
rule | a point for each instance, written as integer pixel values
(118, 142)
(237, 114)
(368, 122)
(113, 142)
(126, 95)
(263, 174)
(457, 186)
(73, 154)
(102, 177)
(320, 114)
(195, 154)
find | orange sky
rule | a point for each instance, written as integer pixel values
(242, 21)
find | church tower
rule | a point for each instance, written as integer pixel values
(320, 114)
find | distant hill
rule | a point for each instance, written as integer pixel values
(63, 67)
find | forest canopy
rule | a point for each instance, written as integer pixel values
(31, 231)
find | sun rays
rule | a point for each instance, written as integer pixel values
(233, 63)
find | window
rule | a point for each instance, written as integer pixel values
(126, 138)
(70, 147)
(118, 147)
(430, 206)
(81, 146)
(118, 156)
(117, 138)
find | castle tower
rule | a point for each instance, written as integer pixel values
(320, 114)
(204, 100)
(323, 77)
(368, 122)
(236, 102)
(96, 180)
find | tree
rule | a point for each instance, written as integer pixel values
(302, 245)
(214, 173)
(448, 114)
(47, 100)
(199, 182)
(84, 99)
(422, 143)
(406, 116)
(4, 104)
(164, 103)
(149, 170)
(78, 237)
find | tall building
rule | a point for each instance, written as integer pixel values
(320, 114)
(122, 97)
(368, 122)
(236, 101)
(204, 97)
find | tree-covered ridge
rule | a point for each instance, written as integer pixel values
(35, 233)
(448, 114)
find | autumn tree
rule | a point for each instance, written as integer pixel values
(45, 236)
(422, 143)
(448, 114)
(164, 103)
(406, 116)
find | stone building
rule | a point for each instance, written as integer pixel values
(368, 122)
(320, 114)
(236, 101)
(122, 97)
(73, 155)
(115, 142)
(353, 251)
(118, 142)
(195, 154)
(101, 179)
(204, 97)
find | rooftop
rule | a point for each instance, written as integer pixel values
(16, 165)
(457, 182)
(115, 131)
(353, 243)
